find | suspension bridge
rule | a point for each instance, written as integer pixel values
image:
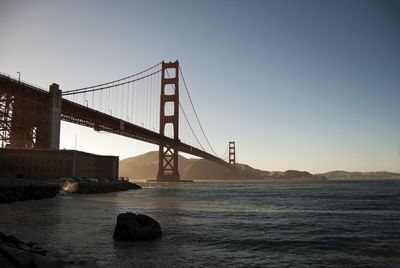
(146, 106)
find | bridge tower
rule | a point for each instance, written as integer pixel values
(168, 153)
(232, 154)
(29, 118)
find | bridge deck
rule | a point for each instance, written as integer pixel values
(85, 116)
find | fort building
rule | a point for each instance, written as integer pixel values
(43, 164)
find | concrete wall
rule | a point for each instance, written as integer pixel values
(53, 164)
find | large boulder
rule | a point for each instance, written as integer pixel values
(132, 226)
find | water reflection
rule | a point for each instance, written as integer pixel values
(28, 220)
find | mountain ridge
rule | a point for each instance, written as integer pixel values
(359, 175)
(145, 167)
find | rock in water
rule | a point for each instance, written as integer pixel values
(132, 226)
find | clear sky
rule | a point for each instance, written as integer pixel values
(309, 85)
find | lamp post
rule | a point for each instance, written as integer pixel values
(19, 77)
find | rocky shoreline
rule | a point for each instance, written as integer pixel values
(9, 194)
(15, 193)
(98, 187)
(16, 253)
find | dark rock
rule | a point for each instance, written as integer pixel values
(132, 226)
(9, 194)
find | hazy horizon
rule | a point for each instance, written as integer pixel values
(305, 85)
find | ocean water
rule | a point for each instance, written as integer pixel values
(223, 224)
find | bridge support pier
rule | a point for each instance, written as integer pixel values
(28, 115)
(168, 153)
(54, 120)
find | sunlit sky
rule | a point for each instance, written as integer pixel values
(308, 85)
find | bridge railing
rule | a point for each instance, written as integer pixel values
(16, 79)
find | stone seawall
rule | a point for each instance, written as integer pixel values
(98, 187)
(9, 194)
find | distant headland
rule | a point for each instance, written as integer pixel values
(145, 166)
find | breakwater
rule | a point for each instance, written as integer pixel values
(98, 187)
(21, 190)
(13, 193)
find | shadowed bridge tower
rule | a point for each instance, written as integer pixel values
(29, 117)
(232, 154)
(168, 153)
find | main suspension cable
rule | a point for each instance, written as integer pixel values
(115, 81)
(190, 126)
(201, 127)
(66, 93)
(187, 120)
(223, 155)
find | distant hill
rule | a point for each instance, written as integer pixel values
(145, 167)
(346, 175)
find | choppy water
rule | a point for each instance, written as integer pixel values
(223, 224)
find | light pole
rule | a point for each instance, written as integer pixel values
(19, 77)
(109, 110)
(76, 139)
